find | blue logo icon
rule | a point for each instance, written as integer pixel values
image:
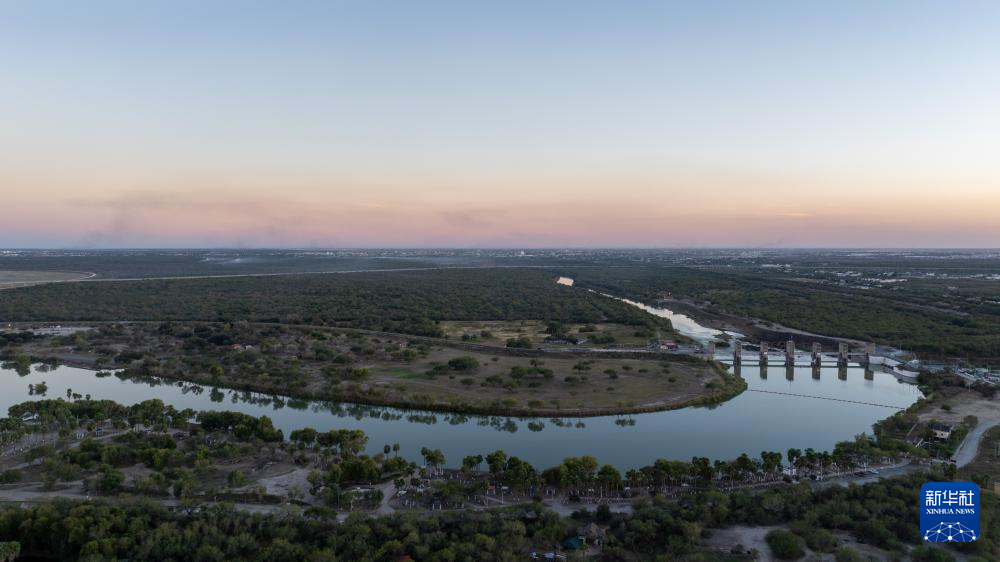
(949, 511)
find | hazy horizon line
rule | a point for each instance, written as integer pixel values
(485, 248)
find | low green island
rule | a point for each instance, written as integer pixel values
(477, 374)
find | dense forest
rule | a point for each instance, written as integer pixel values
(403, 301)
(130, 264)
(914, 316)
(909, 320)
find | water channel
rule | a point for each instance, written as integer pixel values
(797, 408)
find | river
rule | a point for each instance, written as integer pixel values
(831, 408)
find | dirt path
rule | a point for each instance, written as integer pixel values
(388, 492)
(282, 484)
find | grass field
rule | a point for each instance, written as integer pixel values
(589, 335)
(10, 279)
(575, 384)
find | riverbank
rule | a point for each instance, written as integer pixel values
(753, 329)
(244, 468)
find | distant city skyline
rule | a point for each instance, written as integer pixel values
(446, 124)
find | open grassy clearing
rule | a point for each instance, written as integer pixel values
(601, 334)
(556, 384)
(10, 279)
(348, 365)
(952, 404)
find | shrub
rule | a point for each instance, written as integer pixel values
(929, 554)
(785, 545)
(464, 363)
(10, 476)
(818, 540)
(108, 480)
(236, 479)
(523, 342)
(847, 554)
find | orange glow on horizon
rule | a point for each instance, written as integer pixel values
(682, 209)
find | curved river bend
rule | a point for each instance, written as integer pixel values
(752, 422)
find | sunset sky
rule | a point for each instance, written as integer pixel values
(470, 123)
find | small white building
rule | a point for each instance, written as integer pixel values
(942, 431)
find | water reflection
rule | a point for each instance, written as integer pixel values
(753, 421)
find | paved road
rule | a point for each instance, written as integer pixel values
(869, 478)
(967, 451)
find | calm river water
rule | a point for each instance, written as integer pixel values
(752, 422)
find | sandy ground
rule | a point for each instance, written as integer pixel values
(753, 538)
(388, 492)
(963, 403)
(866, 551)
(280, 484)
(747, 537)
